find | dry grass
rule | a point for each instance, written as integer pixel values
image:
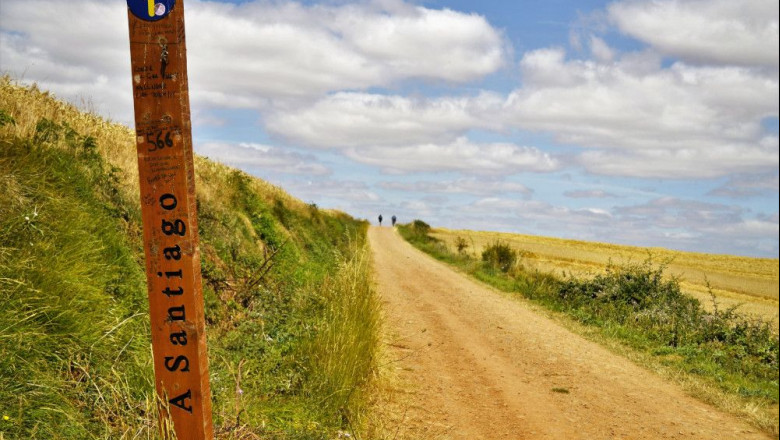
(751, 282)
(116, 143)
(28, 105)
(72, 294)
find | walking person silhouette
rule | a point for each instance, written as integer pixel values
(380, 219)
(393, 220)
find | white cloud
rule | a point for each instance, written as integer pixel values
(667, 221)
(589, 194)
(329, 190)
(420, 42)
(535, 215)
(648, 121)
(672, 213)
(420, 209)
(460, 155)
(643, 120)
(712, 226)
(261, 159)
(244, 55)
(741, 32)
(748, 185)
(70, 53)
(470, 185)
(358, 119)
(601, 51)
(681, 163)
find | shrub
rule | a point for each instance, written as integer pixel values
(461, 245)
(420, 228)
(639, 296)
(499, 255)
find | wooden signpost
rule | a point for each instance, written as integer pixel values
(165, 164)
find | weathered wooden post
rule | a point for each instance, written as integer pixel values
(165, 164)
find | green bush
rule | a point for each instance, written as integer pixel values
(500, 256)
(639, 297)
(420, 228)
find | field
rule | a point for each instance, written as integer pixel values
(751, 283)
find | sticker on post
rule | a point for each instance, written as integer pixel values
(150, 10)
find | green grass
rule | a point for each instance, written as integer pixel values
(636, 306)
(72, 359)
(291, 317)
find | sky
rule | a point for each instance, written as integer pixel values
(643, 122)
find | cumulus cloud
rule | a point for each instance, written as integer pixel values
(601, 51)
(332, 191)
(748, 185)
(471, 186)
(461, 155)
(589, 194)
(648, 121)
(636, 117)
(353, 119)
(670, 222)
(424, 209)
(244, 55)
(682, 163)
(709, 31)
(674, 213)
(87, 61)
(536, 217)
(419, 42)
(680, 223)
(260, 159)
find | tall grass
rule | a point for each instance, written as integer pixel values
(343, 354)
(282, 281)
(74, 359)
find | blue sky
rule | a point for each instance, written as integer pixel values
(652, 123)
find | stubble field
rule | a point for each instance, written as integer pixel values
(750, 283)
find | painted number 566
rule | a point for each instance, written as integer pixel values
(159, 142)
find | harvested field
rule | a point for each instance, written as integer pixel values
(751, 283)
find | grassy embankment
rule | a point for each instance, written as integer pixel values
(717, 354)
(291, 317)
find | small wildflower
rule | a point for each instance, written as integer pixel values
(6, 418)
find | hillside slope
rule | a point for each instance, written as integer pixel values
(291, 319)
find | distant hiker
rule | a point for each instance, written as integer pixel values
(380, 219)
(393, 220)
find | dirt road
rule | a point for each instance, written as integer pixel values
(475, 364)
